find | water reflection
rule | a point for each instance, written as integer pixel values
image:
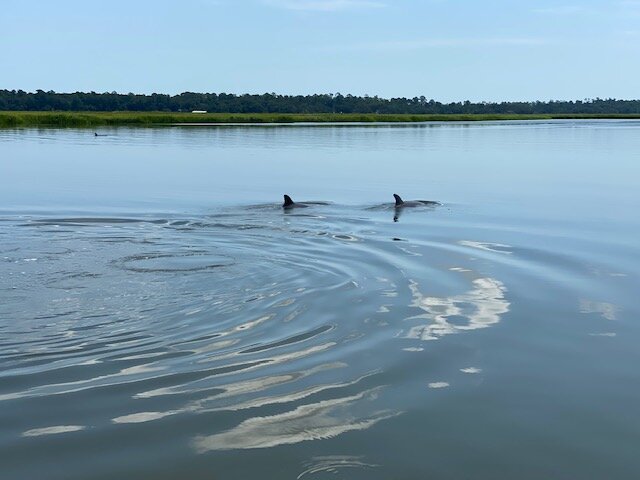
(38, 432)
(471, 370)
(397, 213)
(606, 310)
(398, 210)
(321, 420)
(480, 307)
(438, 385)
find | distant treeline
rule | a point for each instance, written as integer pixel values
(18, 100)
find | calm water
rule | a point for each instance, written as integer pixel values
(161, 317)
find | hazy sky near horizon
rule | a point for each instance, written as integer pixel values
(448, 50)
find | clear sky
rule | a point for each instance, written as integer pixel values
(449, 50)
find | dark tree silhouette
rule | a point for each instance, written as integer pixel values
(274, 103)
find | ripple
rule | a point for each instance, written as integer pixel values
(333, 464)
(487, 246)
(167, 263)
(78, 221)
(288, 341)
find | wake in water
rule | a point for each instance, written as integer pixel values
(269, 327)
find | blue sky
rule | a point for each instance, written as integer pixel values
(449, 50)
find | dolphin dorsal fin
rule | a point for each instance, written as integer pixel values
(287, 201)
(398, 199)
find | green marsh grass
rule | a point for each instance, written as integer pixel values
(97, 119)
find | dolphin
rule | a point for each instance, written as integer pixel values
(289, 203)
(413, 203)
(401, 205)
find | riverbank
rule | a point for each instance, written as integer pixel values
(95, 119)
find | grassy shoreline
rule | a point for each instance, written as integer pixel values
(96, 119)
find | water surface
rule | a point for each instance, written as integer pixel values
(162, 317)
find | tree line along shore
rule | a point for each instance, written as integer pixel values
(96, 119)
(40, 108)
(19, 100)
